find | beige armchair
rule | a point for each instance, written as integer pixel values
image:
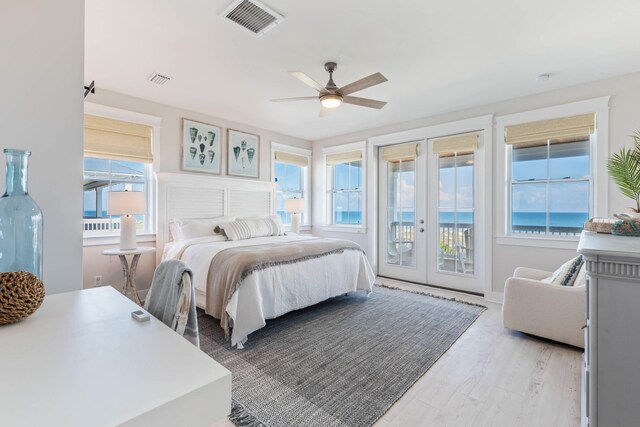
(545, 310)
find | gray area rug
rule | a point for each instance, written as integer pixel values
(340, 363)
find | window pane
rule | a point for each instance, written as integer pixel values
(529, 208)
(279, 169)
(529, 163)
(341, 174)
(464, 181)
(355, 207)
(456, 213)
(341, 207)
(356, 174)
(569, 160)
(568, 207)
(401, 213)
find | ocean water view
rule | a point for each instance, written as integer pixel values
(518, 219)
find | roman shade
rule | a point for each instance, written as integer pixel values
(395, 153)
(117, 140)
(292, 159)
(456, 143)
(563, 129)
(346, 157)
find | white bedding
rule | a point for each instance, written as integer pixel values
(277, 290)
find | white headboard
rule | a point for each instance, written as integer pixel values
(189, 196)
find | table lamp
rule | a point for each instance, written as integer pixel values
(127, 204)
(295, 207)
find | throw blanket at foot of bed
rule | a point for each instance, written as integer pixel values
(231, 266)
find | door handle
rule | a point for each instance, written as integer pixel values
(422, 221)
(422, 230)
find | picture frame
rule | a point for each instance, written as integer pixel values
(243, 154)
(201, 147)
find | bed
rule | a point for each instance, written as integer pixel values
(290, 281)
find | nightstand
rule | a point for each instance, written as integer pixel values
(129, 269)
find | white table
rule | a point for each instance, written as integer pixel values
(81, 360)
(129, 270)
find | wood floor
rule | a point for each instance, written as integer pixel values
(491, 377)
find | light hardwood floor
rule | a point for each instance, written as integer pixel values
(491, 377)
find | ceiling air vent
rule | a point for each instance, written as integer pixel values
(252, 15)
(158, 78)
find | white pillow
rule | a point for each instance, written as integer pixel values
(249, 228)
(567, 273)
(191, 228)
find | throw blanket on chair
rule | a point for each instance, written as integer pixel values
(172, 299)
(230, 266)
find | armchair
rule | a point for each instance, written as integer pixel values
(545, 310)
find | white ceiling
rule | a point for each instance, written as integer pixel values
(439, 56)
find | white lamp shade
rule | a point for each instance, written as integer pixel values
(127, 203)
(294, 205)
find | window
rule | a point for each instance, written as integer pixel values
(102, 176)
(550, 180)
(291, 174)
(117, 158)
(345, 195)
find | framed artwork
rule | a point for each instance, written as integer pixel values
(243, 154)
(201, 147)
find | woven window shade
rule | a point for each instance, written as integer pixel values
(564, 129)
(117, 140)
(456, 144)
(350, 156)
(395, 153)
(292, 159)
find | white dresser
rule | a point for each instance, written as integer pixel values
(611, 371)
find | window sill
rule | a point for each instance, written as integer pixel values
(114, 239)
(287, 227)
(569, 242)
(344, 229)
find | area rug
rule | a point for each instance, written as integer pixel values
(341, 363)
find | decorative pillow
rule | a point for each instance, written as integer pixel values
(566, 275)
(581, 279)
(191, 228)
(248, 228)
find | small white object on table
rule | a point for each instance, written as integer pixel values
(129, 270)
(81, 360)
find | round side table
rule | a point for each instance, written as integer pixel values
(129, 270)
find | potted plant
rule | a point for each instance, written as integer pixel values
(624, 169)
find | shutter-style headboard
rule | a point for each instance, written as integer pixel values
(189, 196)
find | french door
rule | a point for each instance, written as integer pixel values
(402, 208)
(430, 215)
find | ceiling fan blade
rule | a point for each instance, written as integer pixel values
(299, 98)
(307, 80)
(364, 83)
(324, 112)
(364, 102)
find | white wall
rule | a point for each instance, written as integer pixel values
(41, 79)
(623, 120)
(169, 160)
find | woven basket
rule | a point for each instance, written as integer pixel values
(21, 294)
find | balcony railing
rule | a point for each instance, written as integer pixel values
(541, 229)
(100, 225)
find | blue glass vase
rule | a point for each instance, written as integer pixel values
(20, 220)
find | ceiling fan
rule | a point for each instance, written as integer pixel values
(332, 96)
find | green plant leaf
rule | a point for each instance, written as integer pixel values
(624, 169)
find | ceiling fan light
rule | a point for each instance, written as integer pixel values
(331, 101)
